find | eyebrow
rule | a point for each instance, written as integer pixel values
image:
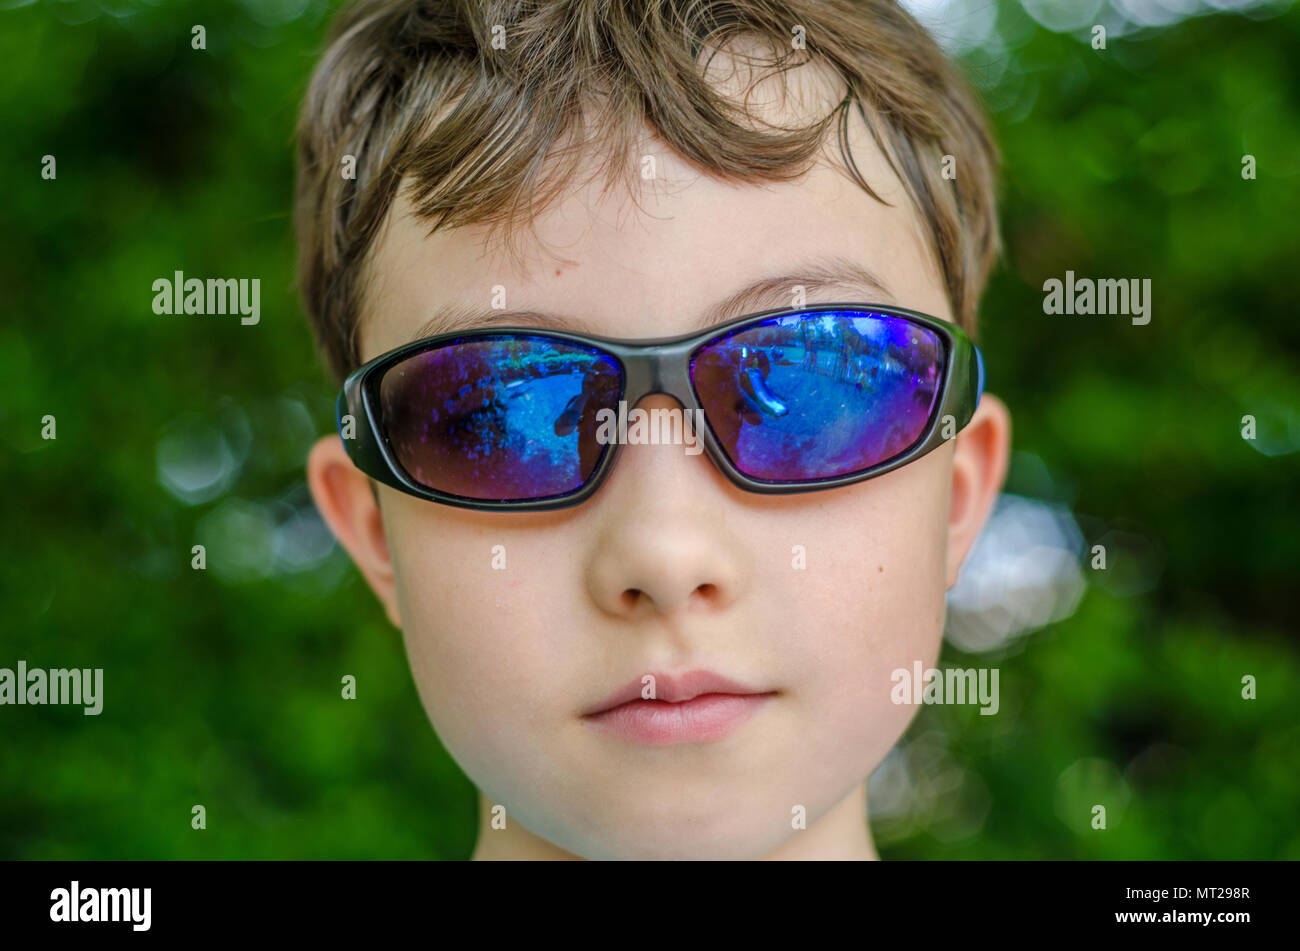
(821, 274)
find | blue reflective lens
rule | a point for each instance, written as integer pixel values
(808, 396)
(502, 418)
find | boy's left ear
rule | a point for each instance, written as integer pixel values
(979, 466)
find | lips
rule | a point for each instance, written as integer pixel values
(695, 707)
(669, 689)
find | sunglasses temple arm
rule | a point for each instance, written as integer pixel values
(967, 384)
(355, 428)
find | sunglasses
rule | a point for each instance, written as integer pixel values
(792, 400)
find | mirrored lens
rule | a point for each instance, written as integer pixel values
(502, 418)
(801, 397)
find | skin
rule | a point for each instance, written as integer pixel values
(669, 567)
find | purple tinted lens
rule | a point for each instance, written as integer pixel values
(502, 418)
(803, 397)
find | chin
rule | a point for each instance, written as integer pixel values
(686, 837)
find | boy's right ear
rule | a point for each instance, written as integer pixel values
(350, 507)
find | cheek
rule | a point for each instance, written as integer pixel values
(875, 604)
(482, 635)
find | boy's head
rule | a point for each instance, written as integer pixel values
(630, 167)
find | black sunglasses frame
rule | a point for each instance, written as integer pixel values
(660, 365)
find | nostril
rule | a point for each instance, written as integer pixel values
(708, 593)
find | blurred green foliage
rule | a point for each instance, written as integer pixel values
(222, 687)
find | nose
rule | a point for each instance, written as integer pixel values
(665, 543)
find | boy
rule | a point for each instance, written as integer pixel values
(633, 648)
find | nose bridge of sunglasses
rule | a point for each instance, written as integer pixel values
(657, 369)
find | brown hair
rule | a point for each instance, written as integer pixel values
(418, 88)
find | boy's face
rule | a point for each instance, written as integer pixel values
(669, 567)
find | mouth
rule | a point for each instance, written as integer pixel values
(697, 706)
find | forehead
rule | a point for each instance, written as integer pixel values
(683, 251)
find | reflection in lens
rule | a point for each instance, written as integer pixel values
(813, 396)
(509, 417)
